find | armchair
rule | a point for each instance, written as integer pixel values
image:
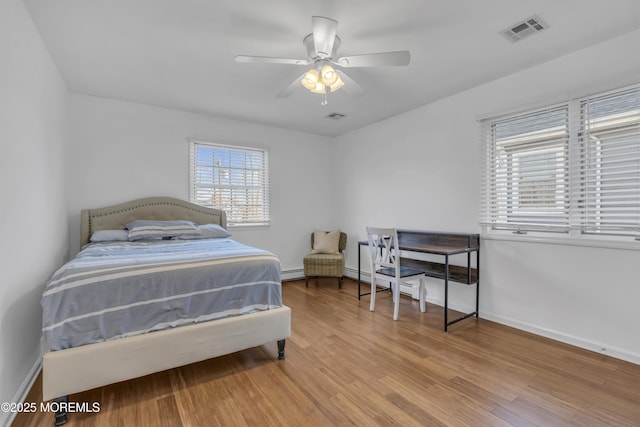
(327, 256)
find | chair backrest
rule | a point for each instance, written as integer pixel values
(383, 244)
(342, 243)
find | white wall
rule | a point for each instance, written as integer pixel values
(33, 221)
(120, 151)
(430, 180)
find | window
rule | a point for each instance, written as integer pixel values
(610, 163)
(546, 172)
(234, 179)
(529, 171)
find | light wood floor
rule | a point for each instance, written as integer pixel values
(347, 366)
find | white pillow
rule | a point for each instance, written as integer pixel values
(110, 235)
(326, 242)
(208, 231)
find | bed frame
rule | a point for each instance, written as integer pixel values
(94, 365)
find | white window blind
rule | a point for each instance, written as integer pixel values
(609, 141)
(572, 168)
(526, 171)
(234, 179)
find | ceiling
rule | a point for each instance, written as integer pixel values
(180, 54)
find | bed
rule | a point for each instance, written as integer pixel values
(75, 367)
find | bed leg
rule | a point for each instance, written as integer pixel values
(61, 412)
(281, 349)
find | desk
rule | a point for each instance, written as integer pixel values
(442, 244)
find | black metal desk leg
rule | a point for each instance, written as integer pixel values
(359, 271)
(478, 283)
(446, 292)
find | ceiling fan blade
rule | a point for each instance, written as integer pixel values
(350, 86)
(270, 60)
(397, 58)
(324, 34)
(293, 86)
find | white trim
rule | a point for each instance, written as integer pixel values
(565, 338)
(6, 418)
(292, 274)
(352, 273)
(248, 227)
(631, 245)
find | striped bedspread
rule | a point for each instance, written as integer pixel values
(118, 289)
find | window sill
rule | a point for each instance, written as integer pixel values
(248, 227)
(566, 241)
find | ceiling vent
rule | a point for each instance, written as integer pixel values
(524, 29)
(335, 116)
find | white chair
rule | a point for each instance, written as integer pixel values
(385, 266)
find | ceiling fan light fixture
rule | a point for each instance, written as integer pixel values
(320, 88)
(337, 84)
(322, 79)
(329, 75)
(310, 79)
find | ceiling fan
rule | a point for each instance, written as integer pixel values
(322, 46)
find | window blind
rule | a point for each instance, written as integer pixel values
(526, 171)
(609, 143)
(234, 179)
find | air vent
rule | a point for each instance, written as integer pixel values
(335, 116)
(524, 29)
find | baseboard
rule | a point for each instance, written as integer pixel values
(292, 274)
(594, 346)
(6, 418)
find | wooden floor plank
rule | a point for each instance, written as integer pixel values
(348, 366)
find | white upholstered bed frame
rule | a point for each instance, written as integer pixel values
(83, 368)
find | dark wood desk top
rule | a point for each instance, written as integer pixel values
(436, 242)
(435, 249)
(429, 249)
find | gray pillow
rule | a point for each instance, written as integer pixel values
(110, 235)
(151, 229)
